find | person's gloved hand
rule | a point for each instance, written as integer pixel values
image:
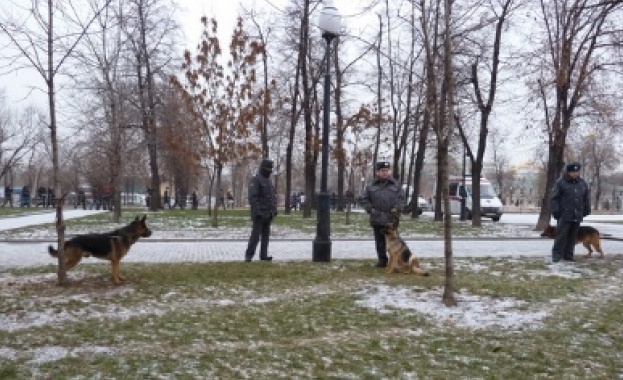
(556, 215)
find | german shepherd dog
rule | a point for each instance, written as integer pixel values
(587, 235)
(110, 246)
(401, 259)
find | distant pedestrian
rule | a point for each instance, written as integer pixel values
(263, 210)
(82, 199)
(195, 200)
(25, 197)
(570, 203)
(333, 201)
(51, 199)
(230, 199)
(167, 198)
(8, 195)
(302, 200)
(148, 197)
(176, 199)
(42, 194)
(221, 199)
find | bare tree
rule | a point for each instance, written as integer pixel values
(436, 22)
(263, 36)
(575, 33)
(149, 28)
(103, 63)
(485, 107)
(19, 134)
(500, 159)
(39, 43)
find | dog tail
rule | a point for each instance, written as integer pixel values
(53, 252)
(414, 264)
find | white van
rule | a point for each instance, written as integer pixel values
(490, 204)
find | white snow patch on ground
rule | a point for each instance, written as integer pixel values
(48, 354)
(473, 312)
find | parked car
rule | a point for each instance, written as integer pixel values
(422, 204)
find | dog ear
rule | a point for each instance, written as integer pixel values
(143, 219)
(136, 219)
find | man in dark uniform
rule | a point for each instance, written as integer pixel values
(263, 210)
(570, 203)
(382, 198)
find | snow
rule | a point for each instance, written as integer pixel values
(474, 312)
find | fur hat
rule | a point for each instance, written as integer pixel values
(381, 165)
(573, 167)
(266, 164)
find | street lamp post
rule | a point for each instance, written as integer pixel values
(329, 23)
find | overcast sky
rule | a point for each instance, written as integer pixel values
(19, 86)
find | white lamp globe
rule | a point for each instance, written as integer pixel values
(330, 20)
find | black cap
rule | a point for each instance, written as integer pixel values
(573, 167)
(381, 165)
(266, 164)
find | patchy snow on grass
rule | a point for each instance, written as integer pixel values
(47, 354)
(472, 312)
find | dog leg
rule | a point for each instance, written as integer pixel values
(587, 245)
(406, 269)
(116, 278)
(391, 264)
(598, 248)
(72, 257)
(414, 265)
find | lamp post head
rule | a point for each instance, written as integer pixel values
(330, 20)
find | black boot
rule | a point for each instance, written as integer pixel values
(266, 258)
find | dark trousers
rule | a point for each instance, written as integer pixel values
(261, 229)
(379, 240)
(564, 243)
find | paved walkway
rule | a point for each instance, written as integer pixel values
(158, 251)
(146, 251)
(41, 217)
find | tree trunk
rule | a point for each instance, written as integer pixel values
(446, 125)
(218, 169)
(448, 297)
(310, 138)
(148, 109)
(340, 153)
(60, 222)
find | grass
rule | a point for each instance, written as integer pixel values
(199, 222)
(21, 211)
(516, 318)
(307, 320)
